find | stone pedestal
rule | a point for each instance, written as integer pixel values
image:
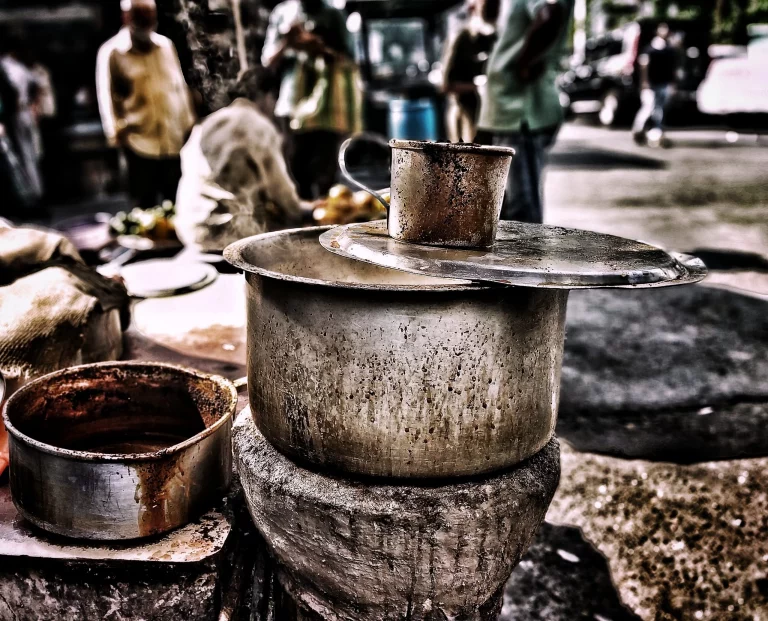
(364, 551)
(181, 575)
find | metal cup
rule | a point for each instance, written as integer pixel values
(442, 194)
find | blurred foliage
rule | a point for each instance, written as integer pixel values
(728, 19)
(731, 17)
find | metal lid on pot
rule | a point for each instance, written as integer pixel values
(525, 255)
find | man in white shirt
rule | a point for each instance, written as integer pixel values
(144, 103)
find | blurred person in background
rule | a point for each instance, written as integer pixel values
(144, 103)
(520, 104)
(13, 180)
(235, 182)
(9, 105)
(308, 44)
(22, 122)
(465, 57)
(44, 110)
(658, 70)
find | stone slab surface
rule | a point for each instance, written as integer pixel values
(80, 593)
(177, 575)
(209, 323)
(681, 541)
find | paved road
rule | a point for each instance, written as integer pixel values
(631, 533)
(704, 192)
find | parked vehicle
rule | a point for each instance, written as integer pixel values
(736, 88)
(607, 81)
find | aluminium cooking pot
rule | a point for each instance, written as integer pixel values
(119, 450)
(373, 371)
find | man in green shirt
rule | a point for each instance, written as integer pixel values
(520, 106)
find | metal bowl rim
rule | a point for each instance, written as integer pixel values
(88, 456)
(235, 251)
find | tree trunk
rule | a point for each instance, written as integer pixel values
(206, 35)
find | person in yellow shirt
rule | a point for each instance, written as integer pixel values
(145, 104)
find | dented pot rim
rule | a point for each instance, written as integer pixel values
(126, 458)
(470, 148)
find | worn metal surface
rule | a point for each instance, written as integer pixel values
(442, 193)
(361, 552)
(379, 372)
(447, 194)
(197, 542)
(119, 450)
(527, 255)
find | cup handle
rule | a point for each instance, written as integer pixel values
(345, 172)
(3, 387)
(240, 383)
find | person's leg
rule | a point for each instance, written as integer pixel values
(142, 186)
(170, 175)
(301, 163)
(288, 141)
(452, 120)
(320, 159)
(647, 103)
(329, 148)
(467, 129)
(523, 197)
(661, 94)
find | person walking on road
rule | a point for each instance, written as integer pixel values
(521, 106)
(658, 67)
(145, 103)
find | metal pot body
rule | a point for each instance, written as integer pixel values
(98, 494)
(447, 194)
(375, 377)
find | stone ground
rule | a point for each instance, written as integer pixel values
(662, 509)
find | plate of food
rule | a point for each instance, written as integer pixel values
(146, 229)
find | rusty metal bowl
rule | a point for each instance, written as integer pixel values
(373, 371)
(119, 450)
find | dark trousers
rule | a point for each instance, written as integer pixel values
(523, 200)
(151, 180)
(313, 162)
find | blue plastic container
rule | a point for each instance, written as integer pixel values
(412, 119)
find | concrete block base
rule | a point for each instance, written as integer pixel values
(359, 550)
